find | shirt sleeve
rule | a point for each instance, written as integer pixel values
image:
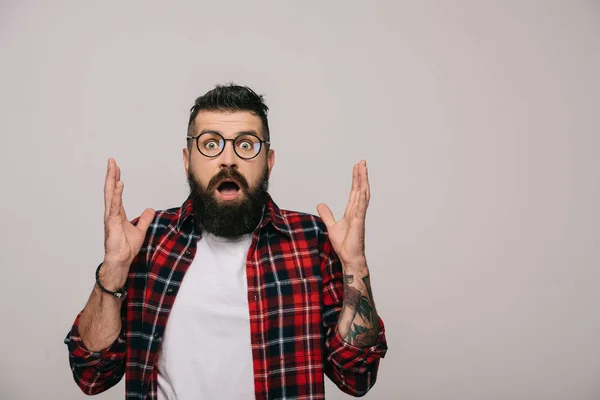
(353, 369)
(95, 372)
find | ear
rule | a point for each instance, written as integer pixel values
(186, 161)
(270, 160)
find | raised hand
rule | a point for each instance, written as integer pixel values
(122, 239)
(358, 322)
(348, 234)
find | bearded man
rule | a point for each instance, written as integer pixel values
(228, 296)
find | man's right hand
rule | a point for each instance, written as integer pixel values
(122, 239)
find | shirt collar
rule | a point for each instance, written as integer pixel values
(271, 215)
(186, 214)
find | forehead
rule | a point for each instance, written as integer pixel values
(228, 123)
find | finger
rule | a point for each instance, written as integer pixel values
(326, 215)
(109, 186)
(364, 180)
(362, 165)
(117, 200)
(123, 213)
(363, 198)
(146, 219)
(363, 204)
(118, 178)
(368, 184)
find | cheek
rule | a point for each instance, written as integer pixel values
(254, 175)
(201, 173)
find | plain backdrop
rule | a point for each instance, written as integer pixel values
(479, 121)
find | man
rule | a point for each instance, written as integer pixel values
(228, 296)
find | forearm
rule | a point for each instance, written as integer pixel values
(96, 351)
(100, 321)
(358, 323)
(352, 357)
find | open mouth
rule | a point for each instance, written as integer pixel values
(228, 188)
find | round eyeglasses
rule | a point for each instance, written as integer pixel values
(211, 144)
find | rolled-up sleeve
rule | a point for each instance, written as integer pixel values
(353, 369)
(95, 372)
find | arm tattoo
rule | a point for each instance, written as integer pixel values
(358, 323)
(352, 297)
(348, 279)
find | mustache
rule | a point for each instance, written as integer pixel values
(228, 173)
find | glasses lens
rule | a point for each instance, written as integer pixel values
(247, 146)
(210, 144)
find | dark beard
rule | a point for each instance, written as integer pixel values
(232, 218)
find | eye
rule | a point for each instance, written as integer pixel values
(211, 144)
(246, 145)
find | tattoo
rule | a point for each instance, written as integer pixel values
(352, 330)
(348, 279)
(352, 297)
(366, 339)
(370, 311)
(367, 282)
(365, 309)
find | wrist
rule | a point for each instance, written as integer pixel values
(112, 276)
(356, 267)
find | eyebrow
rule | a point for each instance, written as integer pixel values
(250, 132)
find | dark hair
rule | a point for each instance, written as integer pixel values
(231, 97)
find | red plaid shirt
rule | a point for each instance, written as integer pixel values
(295, 296)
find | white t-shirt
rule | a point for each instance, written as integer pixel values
(206, 351)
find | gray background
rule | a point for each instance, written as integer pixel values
(479, 121)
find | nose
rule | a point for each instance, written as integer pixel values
(228, 157)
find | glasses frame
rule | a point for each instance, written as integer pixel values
(260, 141)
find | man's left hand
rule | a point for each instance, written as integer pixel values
(348, 234)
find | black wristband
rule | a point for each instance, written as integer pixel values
(119, 294)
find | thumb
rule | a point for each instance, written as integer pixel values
(326, 214)
(146, 219)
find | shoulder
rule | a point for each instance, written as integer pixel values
(305, 222)
(164, 220)
(310, 231)
(166, 217)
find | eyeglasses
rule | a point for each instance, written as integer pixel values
(211, 144)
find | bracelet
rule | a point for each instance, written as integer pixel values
(119, 294)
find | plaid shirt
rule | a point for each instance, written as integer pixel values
(295, 293)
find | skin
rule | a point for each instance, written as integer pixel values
(100, 321)
(228, 124)
(358, 323)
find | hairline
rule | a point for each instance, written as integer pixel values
(263, 128)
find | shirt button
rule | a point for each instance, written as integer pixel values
(169, 290)
(157, 336)
(187, 252)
